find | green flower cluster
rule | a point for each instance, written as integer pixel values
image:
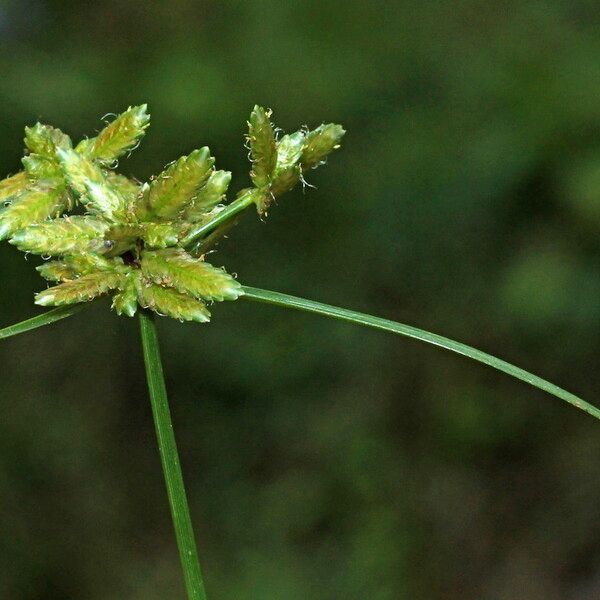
(141, 242)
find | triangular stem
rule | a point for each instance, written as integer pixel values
(169, 457)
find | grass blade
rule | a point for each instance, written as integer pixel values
(425, 336)
(44, 319)
(170, 459)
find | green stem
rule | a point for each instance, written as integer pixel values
(425, 336)
(243, 202)
(206, 244)
(46, 318)
(170, 459)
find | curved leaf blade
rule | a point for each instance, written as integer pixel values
(352, 316)
(46, 318)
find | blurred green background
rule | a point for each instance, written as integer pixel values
(324, 461)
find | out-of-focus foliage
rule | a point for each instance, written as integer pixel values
(324, 461)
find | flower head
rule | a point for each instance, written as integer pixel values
(107, 233)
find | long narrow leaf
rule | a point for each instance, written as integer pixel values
(45, 319)
(419, 334)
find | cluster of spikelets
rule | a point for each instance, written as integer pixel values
(108, 233)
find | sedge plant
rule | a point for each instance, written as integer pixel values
(145, 245)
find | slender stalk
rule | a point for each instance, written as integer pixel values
(46, 318)
(169, 457)
(206, 244)
(419, 334)
(243, 202)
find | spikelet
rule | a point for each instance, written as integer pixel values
(209, 195)
(132, 238)
(125, 301)
(177, 269)
(45, 140)
(170, 302)
(122, 237)
(262, 146)
(56, 270)
(12, 186)
(62, 236)
(82, 264)
(84, 146)
(319, 143)
(39, 167)
(87, 179)
(39, 202)
(287, 171)
(82, 289)
(71, 267)
(160, 235)
(118, 137)
(128, 188)
(80, 171)
(176, 186)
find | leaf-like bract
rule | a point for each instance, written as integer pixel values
(170, 302)
(176, 268)
(176, 186)
(119, 136)
(39, 202)
(262, 146)
(68, 235)
(81, 289)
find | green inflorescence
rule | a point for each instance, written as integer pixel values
(107, 233)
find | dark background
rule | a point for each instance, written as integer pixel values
(324, 461)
